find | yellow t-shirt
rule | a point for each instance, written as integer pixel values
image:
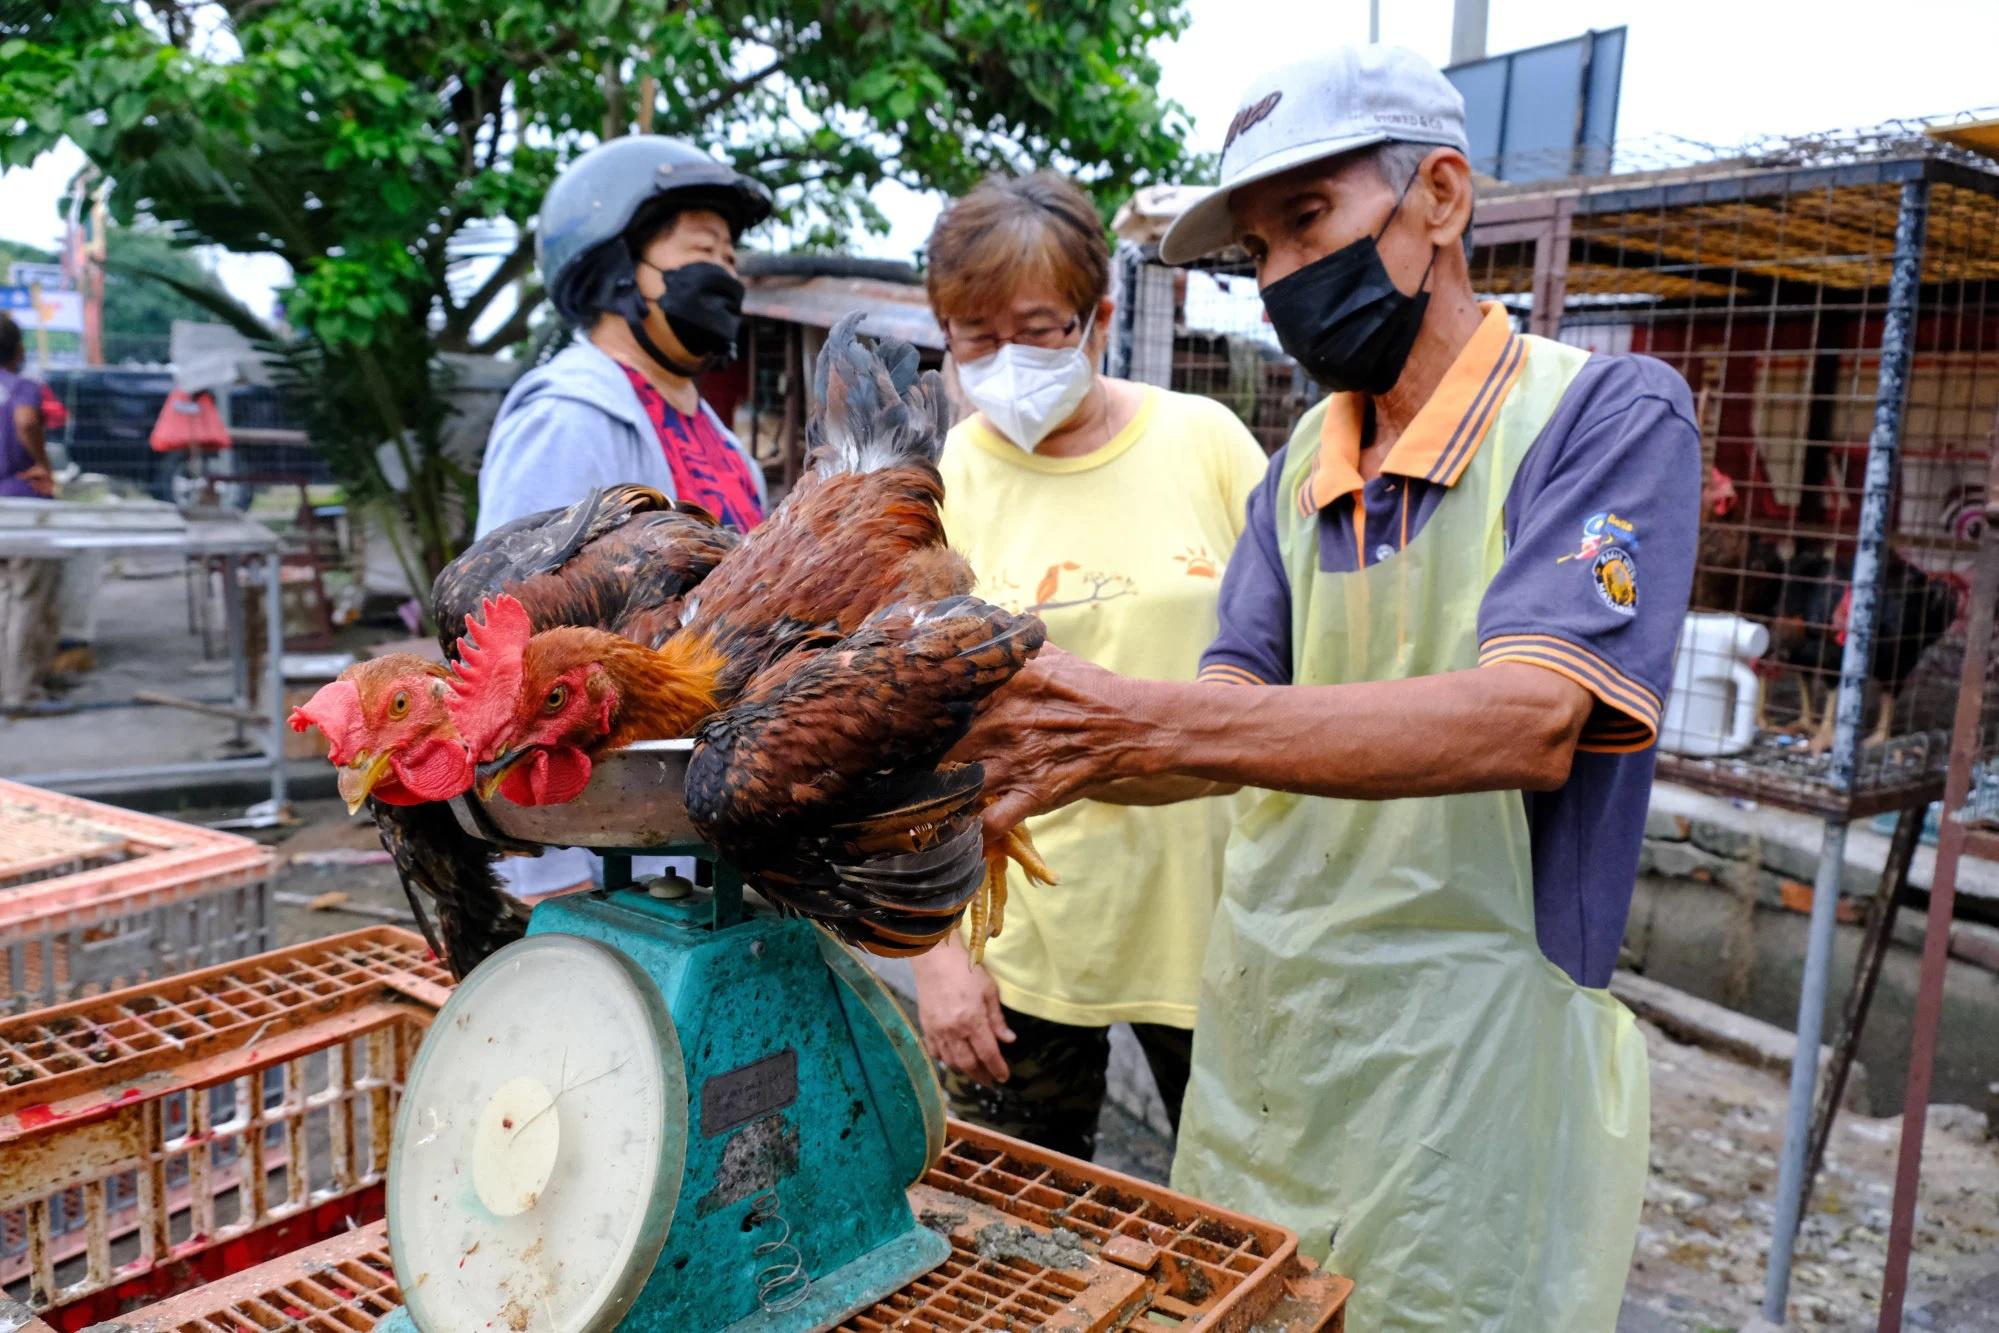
(1121, 553)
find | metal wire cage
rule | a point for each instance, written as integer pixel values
(1831, 302)
(1201, 330)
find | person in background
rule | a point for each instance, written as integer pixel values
(24, 453)
(636, 242)
(1107, 508)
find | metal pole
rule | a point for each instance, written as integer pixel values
(274, 671)
(1118, 351)
(239, 640)
(1374, 20)
(1866, 976)
(1936, 932)
(1897, 338)
(1468, 30)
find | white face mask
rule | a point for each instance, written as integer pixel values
(1027, 392)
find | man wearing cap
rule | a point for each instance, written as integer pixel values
(636, 242)
(1445, 634)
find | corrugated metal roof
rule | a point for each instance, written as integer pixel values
(893, 310)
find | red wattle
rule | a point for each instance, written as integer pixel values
(547, 777)
(434, 770)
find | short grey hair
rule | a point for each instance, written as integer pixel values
(1398, 161)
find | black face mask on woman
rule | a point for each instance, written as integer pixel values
(1343, 318)
(703, 305)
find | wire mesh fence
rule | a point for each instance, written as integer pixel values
(1833, 302)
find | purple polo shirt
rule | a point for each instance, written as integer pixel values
(15, 391)
(1600, 533)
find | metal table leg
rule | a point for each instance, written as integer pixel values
(239, 645)
(274, 673)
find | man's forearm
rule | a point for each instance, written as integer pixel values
(1507, 727)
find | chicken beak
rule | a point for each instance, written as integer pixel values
(357, 779)
(493, 772)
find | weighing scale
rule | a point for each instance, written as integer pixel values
(663, 1109)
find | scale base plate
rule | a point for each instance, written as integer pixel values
(846, 1291)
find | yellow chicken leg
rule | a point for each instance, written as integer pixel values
(988, 910)
(1020, 846)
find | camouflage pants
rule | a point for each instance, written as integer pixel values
(1057, 1077)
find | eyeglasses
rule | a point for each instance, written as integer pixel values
(978, 346)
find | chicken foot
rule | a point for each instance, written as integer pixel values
(988, 909)
(1884, 724)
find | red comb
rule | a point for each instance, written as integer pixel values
(490, 671)
(336, 711)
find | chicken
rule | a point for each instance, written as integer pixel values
(397, 750)
(1810, 631)
(849, 699)
(622, 558)
(823, 781)
(1735, 568)
(539, 706)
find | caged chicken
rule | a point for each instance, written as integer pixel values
(825, 667)
(1809, 632)
(621, 559)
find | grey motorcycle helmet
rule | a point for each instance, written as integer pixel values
(598, 197)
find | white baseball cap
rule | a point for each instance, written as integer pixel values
(1353, 97)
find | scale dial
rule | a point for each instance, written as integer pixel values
(540, 1144)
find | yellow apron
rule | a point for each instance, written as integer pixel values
(1385, 1060)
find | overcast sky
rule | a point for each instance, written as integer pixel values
(1718, 71)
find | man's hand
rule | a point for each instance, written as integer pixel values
(40, 480)
(958, 1008)
(1056, 730)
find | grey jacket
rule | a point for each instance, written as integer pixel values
(569, 427)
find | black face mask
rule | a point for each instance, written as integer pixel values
(703, 305)
(1343, 318)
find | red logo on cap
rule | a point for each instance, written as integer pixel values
(1250, 115)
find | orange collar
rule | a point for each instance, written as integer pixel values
(1446, 432)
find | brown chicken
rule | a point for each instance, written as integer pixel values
(825, 782)
(845, 744)
(622, 558)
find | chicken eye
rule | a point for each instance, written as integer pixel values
(556, 698)
(400, 705)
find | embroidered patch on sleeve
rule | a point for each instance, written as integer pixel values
(1602, 530)
(1615, 574)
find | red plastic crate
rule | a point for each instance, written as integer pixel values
(165, 1134)
(93, 897)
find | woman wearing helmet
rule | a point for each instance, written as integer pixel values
(636, 242)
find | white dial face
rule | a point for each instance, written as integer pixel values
(539, 1145)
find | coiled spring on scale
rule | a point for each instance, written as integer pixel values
(782, 1283)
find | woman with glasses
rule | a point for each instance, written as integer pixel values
(1109, 509)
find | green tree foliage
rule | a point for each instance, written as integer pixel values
(367, 141)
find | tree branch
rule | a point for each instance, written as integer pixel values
(515, 329)
(733, 89)
(614, 98)
(460, 321)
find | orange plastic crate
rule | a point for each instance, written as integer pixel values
(1133, 1256)
(93, 897)
(163, 1134)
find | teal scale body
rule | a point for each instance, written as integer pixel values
(809, 1109)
